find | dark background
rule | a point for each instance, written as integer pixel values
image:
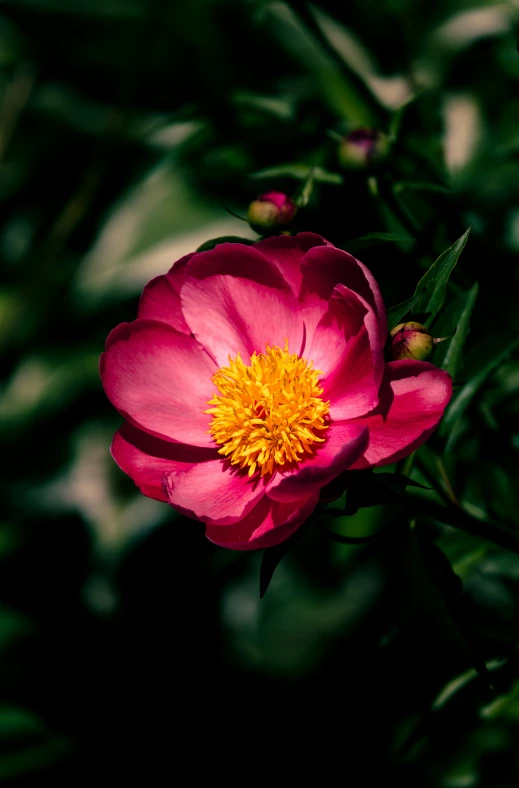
(131, 647)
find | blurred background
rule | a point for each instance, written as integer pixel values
(131, 647)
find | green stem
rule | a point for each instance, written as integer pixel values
(445, 490)
(497, 533)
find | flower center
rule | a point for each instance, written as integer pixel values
(269, 413)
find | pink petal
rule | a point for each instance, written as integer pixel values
(268, 524)
(345, 442)
(235, 301)
(214, 491)
(413, 398)
(287, 252)
(323, 269)
(146, 458)
(159, 380)
(352, 369)
(160, 299)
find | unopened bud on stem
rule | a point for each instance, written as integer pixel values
(271, 212)
(362, 148)
(412, 340)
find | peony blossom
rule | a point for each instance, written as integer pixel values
(254, 376)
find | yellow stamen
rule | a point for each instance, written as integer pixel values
(269, 413)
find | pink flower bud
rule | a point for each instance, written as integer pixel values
(411, 340)
(362, 148)
(271, 212)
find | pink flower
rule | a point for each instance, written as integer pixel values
(254, 376)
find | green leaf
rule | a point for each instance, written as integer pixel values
(422, 186)
(305, 192)
(35, 758)
(272, 557)
(349, 52)
(453, 356)
(16, 723)
(395, 123)
(396, 313)
(450, 587)
(458, 405)
(339, 87)
(432, 287)
(225, 239)
(280, 108)
(373, 239)
(26, 744)
(299, 172)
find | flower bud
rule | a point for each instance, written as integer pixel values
(271, 212)
(362, 148)
(411, 340)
